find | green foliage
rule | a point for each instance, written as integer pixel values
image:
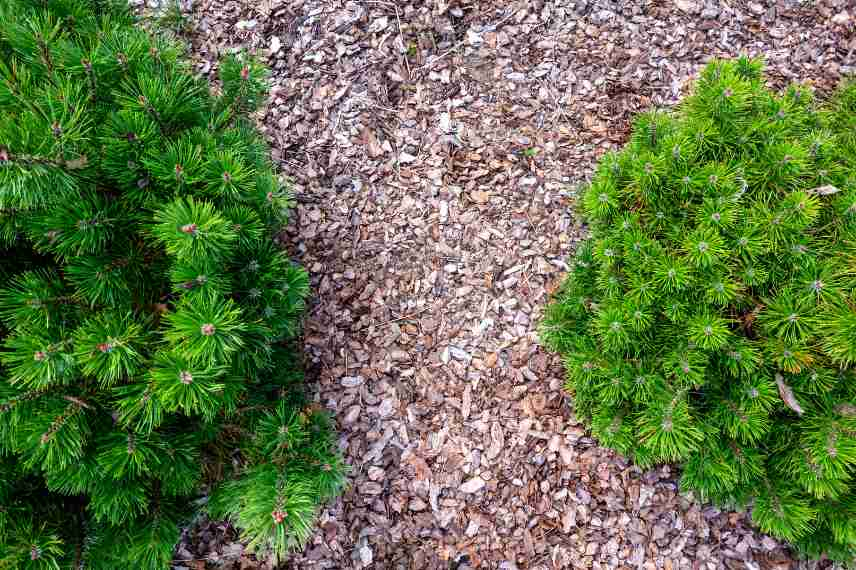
(173, 19)
(147, 318)
(711, 317)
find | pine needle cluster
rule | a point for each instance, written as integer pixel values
(710, 319)
(147, 318)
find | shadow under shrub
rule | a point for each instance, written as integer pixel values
(148, 318)
(710, 319)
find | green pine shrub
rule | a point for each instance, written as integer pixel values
(710, 320)
(148, 318)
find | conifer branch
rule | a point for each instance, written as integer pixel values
(60, 421)
(26, 160)
(78, 401)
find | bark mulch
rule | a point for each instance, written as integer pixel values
(436, 148)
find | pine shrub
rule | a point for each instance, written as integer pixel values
(148, 365)
(710, 319)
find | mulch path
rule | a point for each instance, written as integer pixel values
(436, 148)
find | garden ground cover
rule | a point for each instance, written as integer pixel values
(436, 148)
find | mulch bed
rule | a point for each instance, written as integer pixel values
(436, 148)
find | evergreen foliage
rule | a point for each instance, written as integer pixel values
(711, 317)
(146, 315)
